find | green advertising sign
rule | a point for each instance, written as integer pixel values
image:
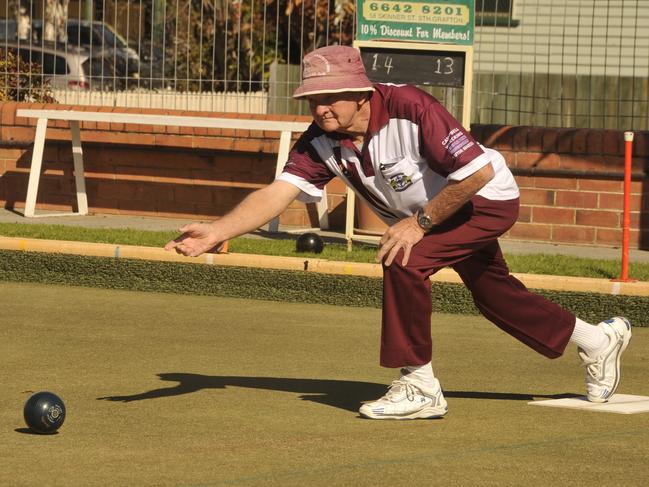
(436, 21)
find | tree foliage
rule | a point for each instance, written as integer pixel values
(229, 44)
(22, 81)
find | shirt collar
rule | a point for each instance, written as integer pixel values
(379, 116)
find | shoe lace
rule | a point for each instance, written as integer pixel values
(400, 385)
(593, 365)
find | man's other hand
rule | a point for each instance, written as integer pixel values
(402, 235)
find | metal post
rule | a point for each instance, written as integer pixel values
(158, 24)
(88, 10)
(626, 218)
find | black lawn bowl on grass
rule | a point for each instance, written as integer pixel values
(309, 242)
(44, 412)
(259, 393)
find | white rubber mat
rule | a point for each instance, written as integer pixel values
(618, 403)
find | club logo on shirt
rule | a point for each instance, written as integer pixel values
(400, 182)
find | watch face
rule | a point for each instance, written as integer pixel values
(425, 221)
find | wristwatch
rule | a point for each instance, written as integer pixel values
(424, 220)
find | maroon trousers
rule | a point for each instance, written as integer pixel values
(467, 242)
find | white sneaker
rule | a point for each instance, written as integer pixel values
(407, 399)
(603, 372)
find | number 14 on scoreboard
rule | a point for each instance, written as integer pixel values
(387, 64)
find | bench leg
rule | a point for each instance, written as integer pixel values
(349, 218)
(282, 157)
(323, 211)
(35, 170)
(77, 156)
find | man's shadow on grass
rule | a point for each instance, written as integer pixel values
(342, 394)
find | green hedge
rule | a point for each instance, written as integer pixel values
(272, 284)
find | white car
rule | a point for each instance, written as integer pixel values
(63, 68)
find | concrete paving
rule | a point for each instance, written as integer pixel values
(172, 224)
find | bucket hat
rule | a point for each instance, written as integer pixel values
(333, 69)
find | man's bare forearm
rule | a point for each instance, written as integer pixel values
(257, 209)
(456, 194)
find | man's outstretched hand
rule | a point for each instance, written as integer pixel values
(195, 239)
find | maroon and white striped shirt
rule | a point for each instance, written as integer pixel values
(413, 146)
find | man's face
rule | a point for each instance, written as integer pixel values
(335, 112)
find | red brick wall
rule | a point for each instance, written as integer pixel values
(571, 183)
(571, 180)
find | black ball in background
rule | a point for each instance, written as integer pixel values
(44, 412)
(309, 242)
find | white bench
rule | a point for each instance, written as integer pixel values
(285, 130)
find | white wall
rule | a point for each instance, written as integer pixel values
(255, 102)
(585, 37)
